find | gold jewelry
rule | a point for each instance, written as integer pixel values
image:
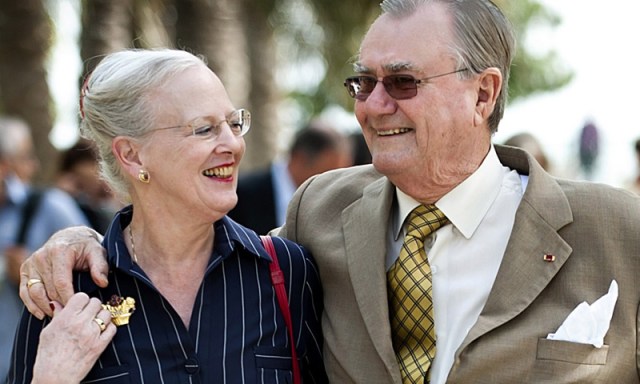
(133, 245)
(31, 282)
(144, 176)
(121, 309)
(100, 323)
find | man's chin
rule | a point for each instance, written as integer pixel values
(388, 165)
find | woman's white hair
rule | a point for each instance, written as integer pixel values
(115, 101)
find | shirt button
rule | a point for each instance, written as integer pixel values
(191, 366)
(434, 269)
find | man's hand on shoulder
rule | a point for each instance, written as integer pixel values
(47, 275)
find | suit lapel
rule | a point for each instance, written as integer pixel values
(365, 225)
(524, 272)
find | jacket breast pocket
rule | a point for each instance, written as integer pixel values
(568, 352)
(273, 364)
(110, 375)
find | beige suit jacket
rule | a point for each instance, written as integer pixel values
(592, 230)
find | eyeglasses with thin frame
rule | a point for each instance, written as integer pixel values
(239, 121)
(400, 87)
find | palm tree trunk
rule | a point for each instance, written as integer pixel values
(264, 97)
(239, 48)
(25, 34)
(107, 26)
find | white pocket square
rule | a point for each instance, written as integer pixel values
(588, 324)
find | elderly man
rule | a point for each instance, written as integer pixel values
(451, 259)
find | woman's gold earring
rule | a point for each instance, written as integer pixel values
(144, 176)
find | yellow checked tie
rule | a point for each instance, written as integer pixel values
(410, 301)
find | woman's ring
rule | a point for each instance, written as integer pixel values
(31, 282)
(100, 323)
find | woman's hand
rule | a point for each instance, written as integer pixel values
(71, 344)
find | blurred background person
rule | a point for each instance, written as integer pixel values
(634, 184)
(28, 216)
(529, 143)
(361, 153)
(589, 149)
(263, 195)
(17, 149)
(79, 176)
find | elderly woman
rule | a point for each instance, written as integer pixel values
(189, 290)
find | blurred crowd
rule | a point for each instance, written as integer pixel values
(587, 157)
(30, 214)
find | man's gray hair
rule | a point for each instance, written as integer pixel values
(484, 39)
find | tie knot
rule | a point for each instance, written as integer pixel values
(424, 220)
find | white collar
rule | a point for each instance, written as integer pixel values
(467, 203)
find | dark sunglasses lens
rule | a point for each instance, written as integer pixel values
(400, 86)
(397, 86)
(352, 85)
(359, 87)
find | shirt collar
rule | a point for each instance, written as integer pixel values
(467, 203)
(229, 236)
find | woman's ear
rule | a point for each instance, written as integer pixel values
(489, 84)
(127, 151)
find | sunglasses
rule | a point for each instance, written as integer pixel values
(400, 87)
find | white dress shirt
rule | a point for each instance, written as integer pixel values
(466, 254)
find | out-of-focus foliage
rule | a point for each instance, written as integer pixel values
(533, 73)
(25, 38)
(331, 31)
(343, 24)
(268, 53)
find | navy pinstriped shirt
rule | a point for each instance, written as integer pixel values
(237, 333)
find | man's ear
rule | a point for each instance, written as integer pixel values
(489, 84)
(127, 151)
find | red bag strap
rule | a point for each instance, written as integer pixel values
(277, 278)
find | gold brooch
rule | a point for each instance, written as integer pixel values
(120, 309)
